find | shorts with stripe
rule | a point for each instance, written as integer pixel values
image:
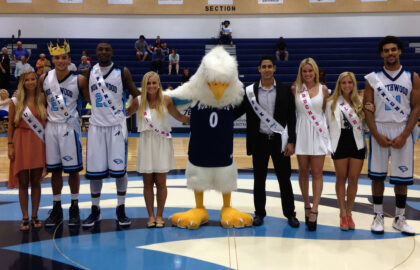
(402, 160)
(106, 152)
(63, 148)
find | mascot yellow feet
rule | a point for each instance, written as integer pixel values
(192, 219)
(230, 217)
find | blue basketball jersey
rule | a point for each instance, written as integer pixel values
(211, 139)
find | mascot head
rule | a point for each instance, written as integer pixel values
(216, 81)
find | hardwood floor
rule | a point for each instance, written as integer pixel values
(181, 149)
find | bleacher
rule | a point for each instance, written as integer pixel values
(333, 55)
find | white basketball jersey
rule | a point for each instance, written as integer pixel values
(400, 88)
(101, 114)
(70, 89)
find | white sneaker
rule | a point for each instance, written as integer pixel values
(378, 224)
(401, 225)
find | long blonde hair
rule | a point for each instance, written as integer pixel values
(21, 99)
(306, 61)
(356, 103)
(160, 105)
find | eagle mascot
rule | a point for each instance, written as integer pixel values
(212, 93)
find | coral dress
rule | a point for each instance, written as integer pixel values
(29, 150)
(308, 140)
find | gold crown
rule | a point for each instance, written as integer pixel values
(59, 49)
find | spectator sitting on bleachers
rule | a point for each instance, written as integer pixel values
(72, 66)
(4, 103)
(158, 59)
(164, 48)
(41, 64)
(173, 62)
(158, 44)
(84, 66)
(142, 48)
(226, 33)
(20, 65)
(185, 76)
(4, 69)
(282, 54)
(89, 59)
(20, 52)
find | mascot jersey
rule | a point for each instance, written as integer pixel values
(211, 139)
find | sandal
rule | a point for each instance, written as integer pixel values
(24, 225)
(151, 224)
(312, 224)
(160, 223)
(36, 224)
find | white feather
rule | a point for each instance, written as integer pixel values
(216, 66)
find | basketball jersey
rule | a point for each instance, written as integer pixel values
(101, 114)
(211, 138)
(70, 89)
(400, 88)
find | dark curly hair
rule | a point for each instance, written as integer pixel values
(390, 39)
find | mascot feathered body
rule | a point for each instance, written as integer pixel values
(213, 91)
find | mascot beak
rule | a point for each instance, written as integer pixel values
(218, 89)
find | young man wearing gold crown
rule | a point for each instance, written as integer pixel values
(107, 136)
(62, 89)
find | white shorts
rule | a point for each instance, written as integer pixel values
(223, 179)
(63, 148)
(106, 152)
(402, 160)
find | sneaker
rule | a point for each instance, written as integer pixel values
(122, 219)
(94, 217)
(378, 224)
(401, 225)
(56, 215)
(74, 217)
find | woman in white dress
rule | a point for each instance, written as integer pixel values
(155, 148)
(312, 140)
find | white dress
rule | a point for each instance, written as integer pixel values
(308, 140)
(155, 153)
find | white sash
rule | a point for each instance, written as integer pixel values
(389, 99)
(57, 97)
(265, 117)
(110, 99)
(349, 113)
(33, 122)
(156, 128)
(315, 119)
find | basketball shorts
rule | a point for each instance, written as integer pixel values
(63, 148)
(402, 160)
(106, 152)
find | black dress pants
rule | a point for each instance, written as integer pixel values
(269, 146)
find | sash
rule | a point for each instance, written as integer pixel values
(156, 128)
(349, 113)
(315, 119)
(389, 99)
(33, 122)
(110, 99)
(266, 118)
(58, 98)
